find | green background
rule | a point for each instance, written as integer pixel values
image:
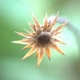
(14, 15)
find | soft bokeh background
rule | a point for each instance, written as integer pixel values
(14, 15)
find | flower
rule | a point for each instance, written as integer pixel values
(42, 38)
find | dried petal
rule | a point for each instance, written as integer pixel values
(22, 34)
(60, 27)
(23, 41)
(40, 53)
(19, 42)
(53, 23)
(36, 22)
(32, 50)
(60, 41)
(54, 46)
(33, 27)
(37, 53)
(29, 32)
(56, 33)
(29, 45)
(47, 49)
(45, 23)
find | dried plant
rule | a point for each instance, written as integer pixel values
(42, 38)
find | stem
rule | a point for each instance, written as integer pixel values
(76, 33)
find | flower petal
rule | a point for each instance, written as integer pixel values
(33, 49)
(36, 54)
(57, 33)
(47, 49)
(36, 22)
(45, 23)
(61, 26)
(53, 22)
(54, 46)
(23, 41)
(29, 32)
(32, 27)
(19, 42)
(40, 54)
(29, 45)
(22, 34)
(60, 41)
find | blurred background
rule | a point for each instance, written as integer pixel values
(14, 15)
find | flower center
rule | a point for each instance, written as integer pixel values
(43, 39)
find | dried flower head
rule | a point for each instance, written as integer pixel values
(42, 38)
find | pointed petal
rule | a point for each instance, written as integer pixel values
(31, 34)
(40, 53)
(45, 23)
(36, 21)
(36, 54)
(32, 26)
(23, 41)
(29, 45)
(22, 34)
(47, 49)
(19, 42)
(33, 49)
(60, 41)
(53, 23)
(54, 46)
(55, 20)
(55, 33)
(28, 31)
(61, 26)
